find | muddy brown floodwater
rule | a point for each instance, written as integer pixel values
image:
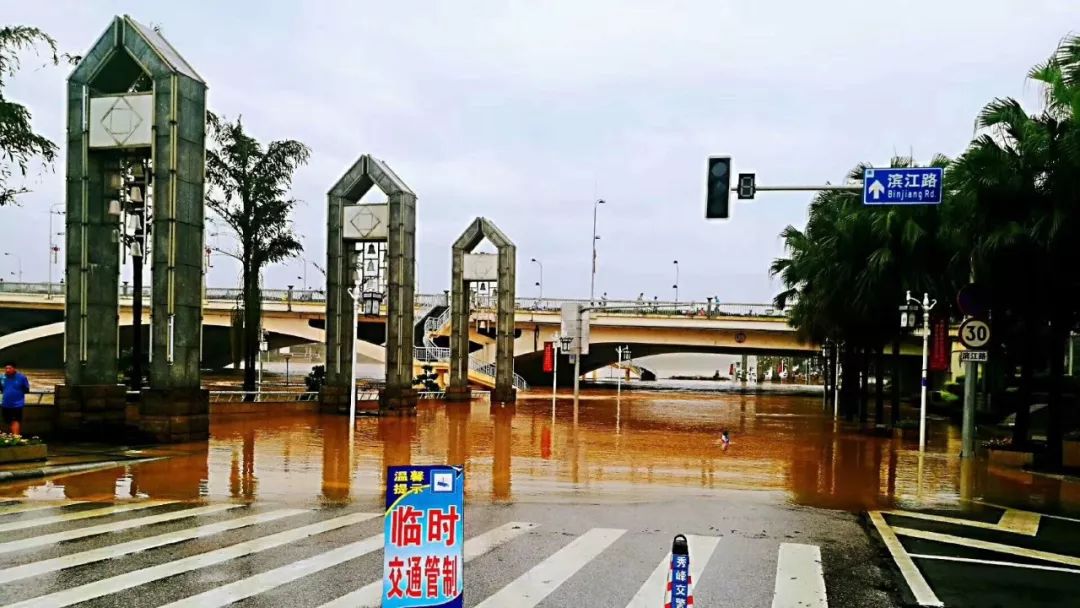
(642, 446)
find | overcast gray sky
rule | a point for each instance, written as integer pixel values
(525, 112)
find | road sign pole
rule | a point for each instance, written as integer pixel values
(577, 376)
(967, 449)
(924, 382)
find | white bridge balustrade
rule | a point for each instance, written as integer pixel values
(429, 301)
(297, 317)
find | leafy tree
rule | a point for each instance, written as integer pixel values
(1010, 218)
(249, 190)
(847, 271)
(1021, 186)
(19, 144)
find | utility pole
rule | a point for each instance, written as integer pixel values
(540, 283)
(592, 284)
(676, 285)
(52, 247)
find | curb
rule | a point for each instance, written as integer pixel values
(6, 476)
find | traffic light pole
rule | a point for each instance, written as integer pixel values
(825, 188)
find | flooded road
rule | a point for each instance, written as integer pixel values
(643, 446)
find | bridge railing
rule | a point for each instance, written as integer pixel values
(425, 301)
(654, 307)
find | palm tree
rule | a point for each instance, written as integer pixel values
(1019, 184)
(847, 269)
(249, 187)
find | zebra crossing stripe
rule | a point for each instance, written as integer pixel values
(135, 578)
(924, 595)
(265, 581)
(532, 587)
(67, 535)
(15, 573)
(87, 514)
(26, 507)
(651, 594)
(370, 595)
(800, 581)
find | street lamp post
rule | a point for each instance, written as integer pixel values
(624, 354)
(356, 294)
(676, 285)
(540, 283)
(18, 262)
(52, 246)
(907, 320)
(592, 284)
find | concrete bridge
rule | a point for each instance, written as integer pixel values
(31, 328)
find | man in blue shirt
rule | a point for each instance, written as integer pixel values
(15, 386)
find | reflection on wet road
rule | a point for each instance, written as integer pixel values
(642, 446)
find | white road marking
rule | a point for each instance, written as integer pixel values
(86, 514)
(265, 581)
(49, 539)
(135, 578)
(972, 543)
(370, 595)
(799, 579)
(532, 587)
(1061, 517)
(26, 507)
(1020, 522)
(15, 573)
(990, 562)
(924, 595)
(1012, 520)
(651, 593)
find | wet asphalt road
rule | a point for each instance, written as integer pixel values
(741, 571)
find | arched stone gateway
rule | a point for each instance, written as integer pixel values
(135, 174)
(348, 224)
(466, 267)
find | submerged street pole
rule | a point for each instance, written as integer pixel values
(356, 294)
(907, 320)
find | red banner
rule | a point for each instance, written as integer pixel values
(939, 344)
(549, 357)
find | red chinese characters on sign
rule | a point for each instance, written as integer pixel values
(442, 525)
(415, 575)
(549, 357)
(431, 576)
(939, 344)
(395, 578)
(406, 526)
(450, 571)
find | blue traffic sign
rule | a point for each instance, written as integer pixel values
(423, 544)
(902, 186)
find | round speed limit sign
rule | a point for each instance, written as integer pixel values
(974, 333)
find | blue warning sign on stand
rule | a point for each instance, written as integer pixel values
(424, 539)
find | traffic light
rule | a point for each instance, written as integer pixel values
(718, 187)
(747, 186)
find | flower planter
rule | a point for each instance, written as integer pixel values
(1071, 454)
(23, 453)
(1010, 458)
